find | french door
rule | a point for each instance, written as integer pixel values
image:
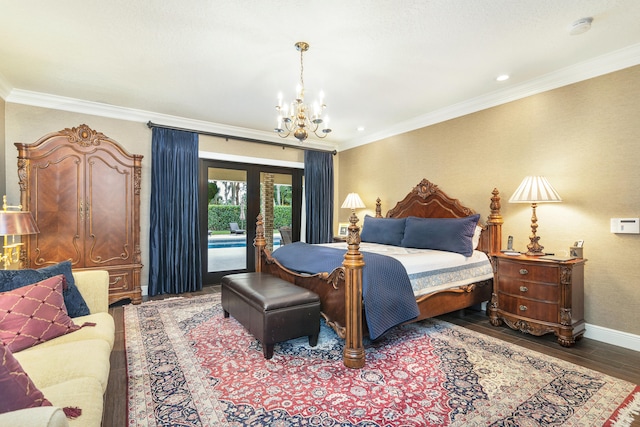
(231, 197)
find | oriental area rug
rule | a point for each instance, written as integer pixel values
(189, 366)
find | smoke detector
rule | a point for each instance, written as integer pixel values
(580, 26)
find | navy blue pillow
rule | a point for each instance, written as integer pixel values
(443, 234)
(14, 279)
(386, 231)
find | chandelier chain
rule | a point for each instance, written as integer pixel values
(301, 70)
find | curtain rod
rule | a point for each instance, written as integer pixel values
(150, 124)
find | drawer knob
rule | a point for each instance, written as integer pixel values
(523, 289)
(524, 271)
(523, 308)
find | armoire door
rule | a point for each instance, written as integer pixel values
(56, 192)
(107, 211)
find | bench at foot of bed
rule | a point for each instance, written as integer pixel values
(272, 309)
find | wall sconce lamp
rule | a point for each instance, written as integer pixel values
(353, 202)
(534, 190)
(14, 223)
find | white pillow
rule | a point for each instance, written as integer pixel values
(475, 241)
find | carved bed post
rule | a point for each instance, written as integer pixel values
(353, 353)
(378, 208)
(259, 243)
(494, 222)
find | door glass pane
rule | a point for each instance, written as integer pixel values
(275, 207)
(227, 224)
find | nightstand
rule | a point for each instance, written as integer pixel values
(339, 238)
(539, 296)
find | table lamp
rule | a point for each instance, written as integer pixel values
(353, 202)
(534, 190)
(14, 223)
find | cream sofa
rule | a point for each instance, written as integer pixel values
(72, 370)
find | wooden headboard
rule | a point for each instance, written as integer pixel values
(426, 200)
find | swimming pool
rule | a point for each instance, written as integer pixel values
(218, 242)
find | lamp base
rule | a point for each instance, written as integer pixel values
(534, 248)
(530, 253)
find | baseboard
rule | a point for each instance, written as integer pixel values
(613, 337)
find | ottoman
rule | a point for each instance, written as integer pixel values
(272, 309)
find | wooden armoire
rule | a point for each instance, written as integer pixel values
(83, 190)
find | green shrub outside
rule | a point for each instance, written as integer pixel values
(221, 215)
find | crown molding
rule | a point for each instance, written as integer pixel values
(614, 61)
(74, 105)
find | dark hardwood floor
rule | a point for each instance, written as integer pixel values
(614, 361)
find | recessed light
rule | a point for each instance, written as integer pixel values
(360, 128)
(502, 77)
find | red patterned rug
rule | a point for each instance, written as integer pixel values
(189, 366)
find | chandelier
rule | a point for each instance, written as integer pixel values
(297, 117)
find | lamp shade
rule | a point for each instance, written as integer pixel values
(535, 189)
(17, 223)
(353, 201)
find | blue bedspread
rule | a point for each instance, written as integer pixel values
(386, 289)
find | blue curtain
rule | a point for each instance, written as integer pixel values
(174, 239)
(318, 192)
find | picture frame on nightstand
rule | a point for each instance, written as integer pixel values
(576, 251)
(343, 229)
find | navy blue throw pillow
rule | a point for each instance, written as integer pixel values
(444, 234)
(14, 279)
(386, 231)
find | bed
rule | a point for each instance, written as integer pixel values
(340, 285)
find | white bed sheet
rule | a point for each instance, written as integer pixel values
(430, 270)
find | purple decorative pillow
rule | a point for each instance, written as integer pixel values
(73, 300)
(33, 314)
(17, 391)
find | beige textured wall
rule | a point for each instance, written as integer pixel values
(585, 138)
(27, 124)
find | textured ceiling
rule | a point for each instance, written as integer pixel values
(389, 66)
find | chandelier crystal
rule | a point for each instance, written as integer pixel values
(298, 118)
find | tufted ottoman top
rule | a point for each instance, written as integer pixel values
(267, 291)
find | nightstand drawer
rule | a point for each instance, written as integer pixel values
(524, 271)
(544, 311)
(522, 288)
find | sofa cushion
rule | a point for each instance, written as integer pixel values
(104, 329)
(13, 279)
(18, 391)
(33, 314)
(84, 394)
(87, 358)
